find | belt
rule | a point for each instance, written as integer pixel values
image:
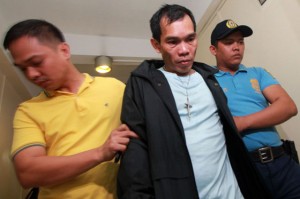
(267, 154)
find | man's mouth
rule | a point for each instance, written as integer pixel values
(184, 62)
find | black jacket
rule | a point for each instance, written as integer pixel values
(158, 165)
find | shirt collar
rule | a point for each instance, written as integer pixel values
(85, 84)
(220, 73)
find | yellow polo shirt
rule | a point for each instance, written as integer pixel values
(66, 124)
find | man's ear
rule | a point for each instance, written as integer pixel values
(156, 45)
(213, 50)
(64, 48)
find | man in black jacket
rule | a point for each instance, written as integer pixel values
(188, 145)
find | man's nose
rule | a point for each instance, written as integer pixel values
(236, 46)
(31, 73)
(183, 48)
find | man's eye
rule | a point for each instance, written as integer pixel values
(228, 42)
(36, 64)
(23, 69)
(172, 42)
(191, 39)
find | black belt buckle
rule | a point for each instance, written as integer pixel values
(265, 154)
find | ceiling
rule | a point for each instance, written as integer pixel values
(116, 28)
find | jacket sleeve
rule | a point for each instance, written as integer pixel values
(134, 177)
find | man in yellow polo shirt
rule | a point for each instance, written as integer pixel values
(66, 137)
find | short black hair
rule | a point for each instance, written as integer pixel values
(172, 13)
(40, 29)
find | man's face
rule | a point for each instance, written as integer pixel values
(43, 64)
(229, 51)
(178, 45)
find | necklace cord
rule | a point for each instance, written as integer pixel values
(188, 106)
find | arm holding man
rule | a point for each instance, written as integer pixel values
(64, 138)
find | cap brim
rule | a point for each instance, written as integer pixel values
(245, 30)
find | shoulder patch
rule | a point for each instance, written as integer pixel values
(255, 85)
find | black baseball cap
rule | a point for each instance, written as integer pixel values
(225, 28)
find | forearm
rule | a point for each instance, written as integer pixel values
(275, 114)
(35, 168)
(52, 170)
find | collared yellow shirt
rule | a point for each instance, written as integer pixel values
(66, 124)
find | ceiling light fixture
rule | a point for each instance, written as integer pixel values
(103, 64)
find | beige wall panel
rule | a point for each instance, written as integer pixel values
(10, 187)
(274, 44)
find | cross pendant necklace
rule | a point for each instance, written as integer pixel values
(188, 106)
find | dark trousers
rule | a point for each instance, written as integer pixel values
(282, 176)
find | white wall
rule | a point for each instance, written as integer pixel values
(274, 44)
(10, 187)
(12, 92)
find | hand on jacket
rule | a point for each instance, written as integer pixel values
(116, 142)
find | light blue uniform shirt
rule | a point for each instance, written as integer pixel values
(204, 137)
(244, 94)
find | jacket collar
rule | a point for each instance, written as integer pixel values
(148, 71)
